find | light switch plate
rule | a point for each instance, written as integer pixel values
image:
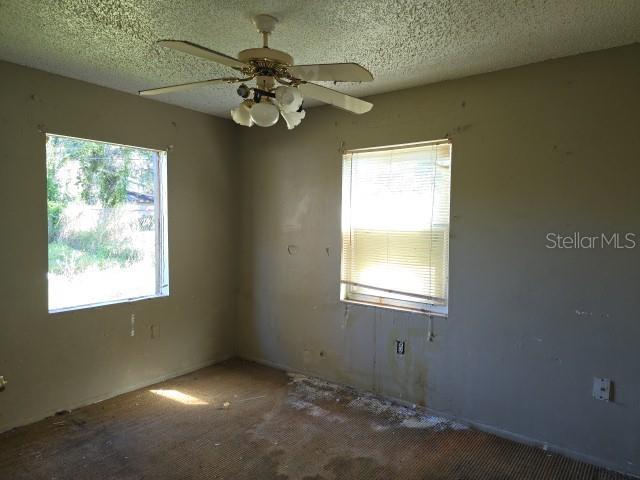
(602, 389)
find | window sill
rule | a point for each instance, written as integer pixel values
(426, 313)
(91, 306)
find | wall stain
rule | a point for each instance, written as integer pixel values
(462, 128)
(408, 372)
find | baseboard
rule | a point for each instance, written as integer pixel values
(516, 437)
(114, 393)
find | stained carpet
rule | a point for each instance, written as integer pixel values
(238, 420)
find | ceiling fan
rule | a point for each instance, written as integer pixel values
(280, 85)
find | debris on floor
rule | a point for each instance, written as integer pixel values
(309, 394)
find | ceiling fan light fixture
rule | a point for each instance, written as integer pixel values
(288, 98)
(242, 114)
(293, 119)
(265, 113)
(268, 67)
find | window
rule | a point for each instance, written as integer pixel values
(395, 226)
(107, 212)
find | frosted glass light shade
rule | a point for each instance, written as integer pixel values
(242, 114)
(289, 98)
(264, 114)
(293, 119)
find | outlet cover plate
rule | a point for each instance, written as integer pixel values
(602, 388)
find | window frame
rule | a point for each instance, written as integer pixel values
(376, 301)
(161, 230)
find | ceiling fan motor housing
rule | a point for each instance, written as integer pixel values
(271, 55)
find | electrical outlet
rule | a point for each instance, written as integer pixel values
(400, 347)
(602, 389)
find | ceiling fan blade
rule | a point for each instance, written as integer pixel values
(332, 72)
(202, 52)
(183, 86)
(337, 99)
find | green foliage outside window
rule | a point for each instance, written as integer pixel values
(103, 176)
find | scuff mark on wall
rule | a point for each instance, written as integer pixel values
(294, 222)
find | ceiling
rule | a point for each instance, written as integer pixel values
(403, 42)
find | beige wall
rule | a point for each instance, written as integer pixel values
(550, 147)
(64, 360)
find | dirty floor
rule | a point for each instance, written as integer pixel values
(238, 420)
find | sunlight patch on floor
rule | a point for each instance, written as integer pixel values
(180, 397)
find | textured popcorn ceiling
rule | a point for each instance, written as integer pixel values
(404, 43)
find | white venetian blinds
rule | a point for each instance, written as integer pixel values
(395, 225)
